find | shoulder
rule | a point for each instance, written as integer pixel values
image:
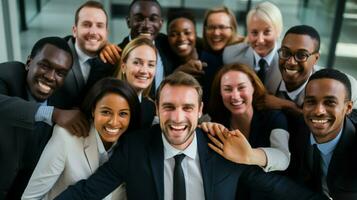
(231, 52)
(10, 69)
(64, 137)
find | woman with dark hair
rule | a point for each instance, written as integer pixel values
(112, 107)
(235, 91)
(182, 37)
(137, 66)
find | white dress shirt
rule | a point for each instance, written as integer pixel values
(82, 59)
(268, 58)
(191, 169)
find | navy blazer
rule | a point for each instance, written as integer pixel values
(342, 173)
(139, 161)
(21, 139)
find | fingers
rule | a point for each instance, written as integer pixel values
(217, 150)
(220, 135)
(215, 141)
(111, 53)
(102, 57)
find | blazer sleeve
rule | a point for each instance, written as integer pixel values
(50, 166)
(107, 177)
(17, 111)
(275, 186)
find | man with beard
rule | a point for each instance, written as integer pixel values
(89, 35)
(145, 20)
(172, 160)
(24, 91)
(324, 157)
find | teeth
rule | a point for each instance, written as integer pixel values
(111, 130)
(291, 72)
(319, 121)
(216, 39)
(145, 34)
(44, 88)
(237, 103)
(142, 77)
(177, 127)
(183, 46)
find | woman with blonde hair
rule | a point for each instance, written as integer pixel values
(137, 66)
(264, 25)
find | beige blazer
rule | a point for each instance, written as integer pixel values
(242, 53)
(65, 160)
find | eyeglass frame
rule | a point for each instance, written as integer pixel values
(212, 28)
(294, 55)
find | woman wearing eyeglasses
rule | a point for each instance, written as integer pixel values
(264, 24)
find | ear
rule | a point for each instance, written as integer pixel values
(349, 105)
(28, 61)
(128, 22)
(157, 107)
(74, 31)
(200, 110)
(317, 57)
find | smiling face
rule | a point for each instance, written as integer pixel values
(237, 92)
(111, 117)
(91, 30)
(182, 37)
(140, 66)
(145, 19)
(295, 73)
(325, 107)
(178, 110)
(47, 71)
(262, 36)
(219, 31)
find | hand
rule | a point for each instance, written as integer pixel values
(72, 120)
(212, 127)
(110, 53)
(270, 102)
(193, 67)
(233, 146)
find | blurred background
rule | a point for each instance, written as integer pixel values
(23, 22)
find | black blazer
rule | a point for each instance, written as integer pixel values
(342, 173)
(74, 89)
(147, 112)
(139, 161)
(21, 139)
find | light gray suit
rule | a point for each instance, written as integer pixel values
(65, 160)
(242, 53)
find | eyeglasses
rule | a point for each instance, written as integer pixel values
(299, 56)
(212, 28)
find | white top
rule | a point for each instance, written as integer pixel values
(82, 59)
(278, 154)
(295, 94)
(191, 169)
(65, 160)
(268, 58)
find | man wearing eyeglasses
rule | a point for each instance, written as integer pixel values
(298, 56)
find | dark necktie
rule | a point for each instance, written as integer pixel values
(179, 179)
(263, 65)
(316, 169)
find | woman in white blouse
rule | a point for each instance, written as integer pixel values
(113, 108)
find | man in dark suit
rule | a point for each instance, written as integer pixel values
(24, 91)
(89, 35)
(173, 160)
(145, 20)
(324, 155)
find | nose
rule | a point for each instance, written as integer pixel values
(181, 37)
(177, 116)
(292, 60)
(50, 75)
(114, 120)
(235, 94)
(319, 109)
(260, 38)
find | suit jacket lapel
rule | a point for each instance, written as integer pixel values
(91, 150)
(76, 68)
(207, 167)
(156, 157)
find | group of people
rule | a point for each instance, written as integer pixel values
(177, 116)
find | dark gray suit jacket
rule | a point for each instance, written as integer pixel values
(242, 53)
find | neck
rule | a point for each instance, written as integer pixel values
(107, 145)
(242, 122)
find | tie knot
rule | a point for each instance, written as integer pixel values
(262, 63)
(179, 158)
(91, 61)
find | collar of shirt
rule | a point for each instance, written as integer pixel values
(129, 36)
(293, 94)
(328, 147)
(32, 99)
(82, 57)
(103, 154)
(268, 58)
(140, 96)
(170, 151)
